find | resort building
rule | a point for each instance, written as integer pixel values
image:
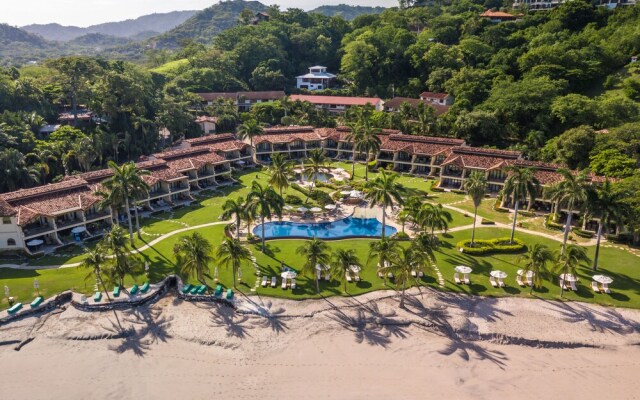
(338, 104)
(316, 79)
(536, 5)
(207, 124)
(394, 104)
(499, 16)
(244, 100)
(444, 99)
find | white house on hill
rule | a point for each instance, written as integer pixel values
(317, 79)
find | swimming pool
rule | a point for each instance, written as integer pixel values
(320, 177)
(343, 228)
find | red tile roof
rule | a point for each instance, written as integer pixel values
(22, 194)
(433, 95)
(497, 14)
(289, 129)
(479, 158)
(6, 210)
(287, 137)
(423, 145)
(396, 102)
(264, 95)
(337, 100)
(204, 118)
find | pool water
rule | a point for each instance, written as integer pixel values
(320, 177)
(343, 228)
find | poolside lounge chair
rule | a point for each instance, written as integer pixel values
(116, 291)
(529, 281)
(229, 294)
(15, 308)
(97, 297)
(284, 283)
(594, 286)
(134, 290)
(264, 281)
(519, 281)
(218, 291)
(605, 288)
(356, 277)
(493, 281)
(37, 301)
(293, 284)
(466, 279)
(186, 288)
(573, 286)
(500, 282)
(348, 277)
(144, 288)
(456, 278)
(274, 281)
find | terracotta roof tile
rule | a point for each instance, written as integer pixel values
(6, 210)
(338, 100)
(433, 95)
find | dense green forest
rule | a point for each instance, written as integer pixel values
(548, 85)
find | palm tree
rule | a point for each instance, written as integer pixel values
(535, 260)
(341, 262)
(314, 252)
(520, 186)
(610, 206)
(383, 251)
(234, 208)
(265, 202)
(232, 253)
(317, 161)
(280, 170)
(568, 262)
(121, 257)
(570, 192)
(354, 136)
(434, 216)
(383, 191)
(125, 184)
(95, 260)
(249, 130)
(369, 143)
(412, 258)
(193, 254)
(476, 187)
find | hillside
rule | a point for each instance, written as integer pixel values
(346, 11)
(159, 23)
(207, 23)
(10, 35)
(19, 47)
(98, 39)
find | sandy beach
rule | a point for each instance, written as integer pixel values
(340, 348)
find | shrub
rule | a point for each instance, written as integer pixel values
(401, 236)
(526, 213)
(458, 191)
(292, 199)
(484, 221)
(623, 238)
(321, 197)
(582, 234)
(329, 185)
(550, 224)
(498, 245)
(299, 188)
(496, 207)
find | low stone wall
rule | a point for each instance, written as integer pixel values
(47, 306)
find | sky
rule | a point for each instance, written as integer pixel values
(89, 12)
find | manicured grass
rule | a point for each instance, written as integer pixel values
(486, 210)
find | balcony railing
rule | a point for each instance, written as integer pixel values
(496, 178)
(157, 193)
(448, 172)
(385, 156)
(422, 160)
(68, 222)
(36, 230)
(97, 215)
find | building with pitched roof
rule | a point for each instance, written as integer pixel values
(316, 79)
(338, 104)
(244, 100)
(444, 99)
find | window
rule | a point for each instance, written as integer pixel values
(6, 220)
(11, 242)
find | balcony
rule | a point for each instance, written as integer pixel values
(158, 193)
(423, 160)
(455, 173)
(496, 178)
(35, 230)
(68, 223)
(205, 174)
(331, 145)
(263, 149)
(178, 188)
(97, 215)
(280, 147)
(385, 157)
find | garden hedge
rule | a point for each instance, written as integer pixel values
(497, 245)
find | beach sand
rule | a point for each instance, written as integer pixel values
(443, 345)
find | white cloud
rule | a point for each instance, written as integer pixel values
(90, 12)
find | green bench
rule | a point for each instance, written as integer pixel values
(186, 288)
(202, 289)
(229, 294)
(37, 301)
(97, 297)
(16, 307)
(145, 288)
(218, 291)
(116, 291)
(134, 290)
(194, 289)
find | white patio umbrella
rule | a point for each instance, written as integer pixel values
(528, 275)
(35, 242)
(288, 208)
(602, 279)
(316, 209)
(288, 274)
(355, 268)
(568, 277)
(78, 229)
(303, 209)
(345, 192)
(462, 269)
(330, 207)
(498, 274)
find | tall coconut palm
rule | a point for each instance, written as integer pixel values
(280, 170)
(121, 257)
(521, 184)
(250, 130)
(568, 262)
(354, 136)
(193, 254)
(570, 192)
(369, 143)
(383, 191)
(122, 187)
(476, 187)
(609, 206)
(434, 216)
(234, 209)
(96, 260)
(341, 262)
(383, 251)
(314, 252)
(316, 162)
(408, 260)
(231, 253)
(265, 202)
(536, 260)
